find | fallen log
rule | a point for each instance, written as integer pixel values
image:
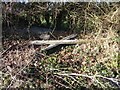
(58, 42)
(41, 42)
(55, 45)
(80, 41)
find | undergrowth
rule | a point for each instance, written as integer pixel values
(91, 65)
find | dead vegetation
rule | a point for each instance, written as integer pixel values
(91, 65)
(66, 68)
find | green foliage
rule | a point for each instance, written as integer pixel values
(95, 62)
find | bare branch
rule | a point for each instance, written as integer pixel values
(114, 80)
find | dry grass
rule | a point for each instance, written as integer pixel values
(87, 61)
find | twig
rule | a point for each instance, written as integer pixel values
(74, 79)
(95, 80)
(8, 49)
(64, 80)
(62, 84)
(13, 79)
(114, 80)
(74, 74)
